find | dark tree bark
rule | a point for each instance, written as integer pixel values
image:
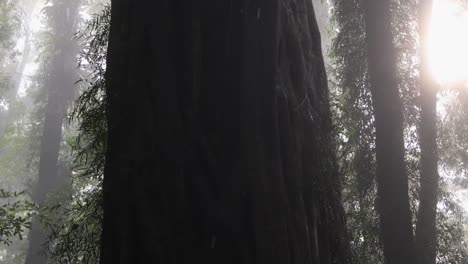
(392, 179)
(60, 83)
(426, 236)
(219, 140)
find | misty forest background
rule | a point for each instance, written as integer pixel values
(285, 131)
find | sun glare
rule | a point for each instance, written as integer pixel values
(448, 42)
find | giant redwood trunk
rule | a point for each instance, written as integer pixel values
(219, 144)
(426, 236)
(59, 84)
(392, 180)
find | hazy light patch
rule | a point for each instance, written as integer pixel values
(460, 195)
(448, 42)
(20, 43)
(36, 22)
(449, 175)
(35, 25)
(29, 70)
(4, 105)
(85, 15)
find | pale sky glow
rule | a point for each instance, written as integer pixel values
(448, 42)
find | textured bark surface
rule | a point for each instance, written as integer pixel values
(219, 146)
(59, 85)
(392, 179)
(426, 235)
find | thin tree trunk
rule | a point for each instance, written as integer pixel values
(426, 237)
(392, 179)
(219, 139)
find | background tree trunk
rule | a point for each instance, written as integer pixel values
(59, 87)
(219, 145)
(392, 179)
(426, 236)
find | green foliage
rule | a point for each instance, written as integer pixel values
(17, 171)
(76, 234)
(451, 231)
(453, 149)
(90, 109)
(453, 133)
(9, 24)
(353, 116)
(15, 216)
